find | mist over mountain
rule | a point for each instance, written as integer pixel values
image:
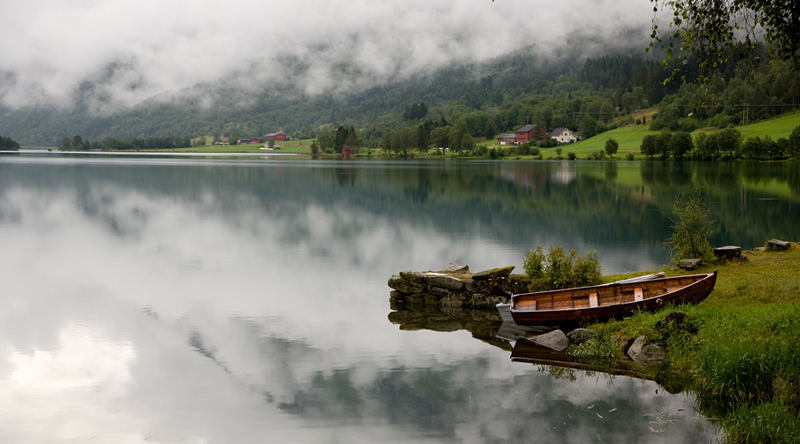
(138, 68)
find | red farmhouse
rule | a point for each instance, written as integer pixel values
(278, 137)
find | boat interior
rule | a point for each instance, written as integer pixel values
(603, 295)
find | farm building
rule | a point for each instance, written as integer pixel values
(563, 135)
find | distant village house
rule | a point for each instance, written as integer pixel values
(563, 135)
(349, 150)
(527, 133)
(530, 133)
(506, 139)
(278, 137)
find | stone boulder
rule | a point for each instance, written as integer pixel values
(728, 252)
(455, 269)
(494, 273)
(777, 245)
(690, 264)
(645, 352)
(443, 281)
(412, 276)
(555, 340)
(581, 335)
(405, 286)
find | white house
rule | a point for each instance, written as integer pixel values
(563, 135)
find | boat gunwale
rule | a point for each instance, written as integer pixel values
(702, 277)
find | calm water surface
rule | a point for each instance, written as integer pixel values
(214, 300)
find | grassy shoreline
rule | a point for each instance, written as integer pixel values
(738, 350)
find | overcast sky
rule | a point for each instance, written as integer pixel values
(47, 48)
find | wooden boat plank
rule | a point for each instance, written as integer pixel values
(612, 301)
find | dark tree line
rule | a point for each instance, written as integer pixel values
(726, 144)
(7, 143)
(111, 143)
(415, 111)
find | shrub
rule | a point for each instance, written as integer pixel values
(560, 270)
(571, 155)
(794, 142)
(692, 226)
(629, 156)
(598, 155)
(720, 120)
(611, 147)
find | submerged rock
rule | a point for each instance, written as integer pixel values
(555, 340)
(645, 352)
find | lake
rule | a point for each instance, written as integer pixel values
(230, 300)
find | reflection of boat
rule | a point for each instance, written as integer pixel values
(607, 301)
(527, 351)
(505, 309)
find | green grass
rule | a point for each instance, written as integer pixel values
(630, 137)
(775, 128)
(741, 355)
(289, 146)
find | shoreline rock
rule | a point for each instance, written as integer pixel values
(455, 286)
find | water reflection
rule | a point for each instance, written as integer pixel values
(246, 301)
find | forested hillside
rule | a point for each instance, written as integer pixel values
(587, 95)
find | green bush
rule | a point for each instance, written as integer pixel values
(692, 226)
(557, 269)
(571, 155)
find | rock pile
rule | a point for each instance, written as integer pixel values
(777, 245)
(455, 286)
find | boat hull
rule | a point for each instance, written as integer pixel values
(693, 292)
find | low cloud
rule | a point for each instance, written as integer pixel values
(123, 52)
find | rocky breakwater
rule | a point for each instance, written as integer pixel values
(456, 286)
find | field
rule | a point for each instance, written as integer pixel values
(630, 137)
(289, 146)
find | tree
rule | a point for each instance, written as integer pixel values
(611, 147)
(326, 140)
(794, 142)
(648, 147)
(662, 144)
(7, 143)
(77, 142)
(712, 29)
(692, 227)
(440, 137)
(66, 143)
(681, 144)
(588, 126)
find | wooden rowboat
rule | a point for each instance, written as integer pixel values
(505, 309)
(614, 300)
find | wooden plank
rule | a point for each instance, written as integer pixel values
(592, 299)
(638, 295)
